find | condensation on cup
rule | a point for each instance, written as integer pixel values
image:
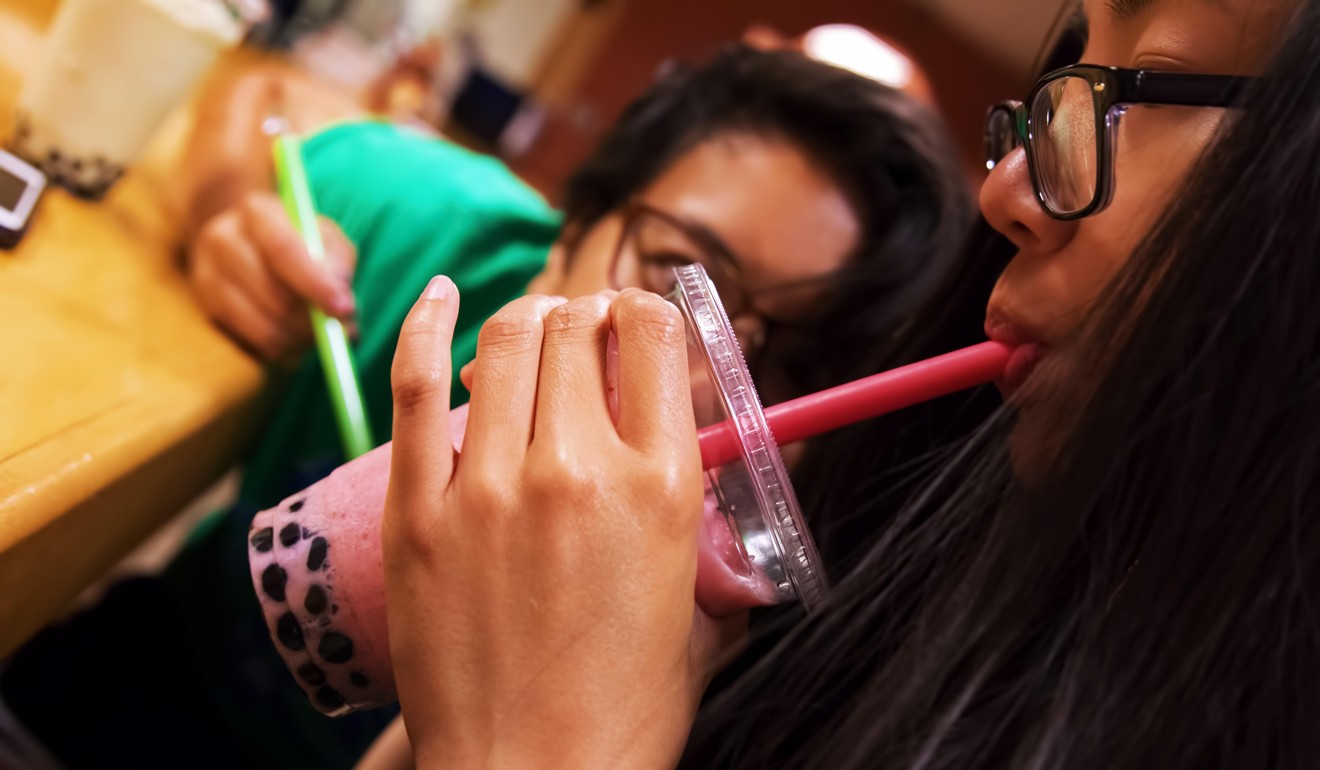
(110, 72)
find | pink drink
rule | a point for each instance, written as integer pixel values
(316, 558)
(317, 569)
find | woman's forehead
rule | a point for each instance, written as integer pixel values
(1122, 11)
(772, 206)
(1225, 36)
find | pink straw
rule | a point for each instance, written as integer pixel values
(863, 399)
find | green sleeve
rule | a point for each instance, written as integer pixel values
(415, 207)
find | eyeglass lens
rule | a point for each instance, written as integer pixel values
(1063, 141)
(655, 246)
(1000, 136)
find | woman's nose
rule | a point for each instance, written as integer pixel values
(1009, 204)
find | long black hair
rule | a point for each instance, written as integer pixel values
(1149, 598)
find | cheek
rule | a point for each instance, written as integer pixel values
(589, 266)
(1156, 149)
(1147, 177)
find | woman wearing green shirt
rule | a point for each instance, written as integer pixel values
(808, 192)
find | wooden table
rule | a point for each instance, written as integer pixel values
(119, 402)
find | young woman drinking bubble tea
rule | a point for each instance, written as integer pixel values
(1118, 572)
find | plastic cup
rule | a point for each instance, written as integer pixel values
(316, 557)
(110, 72)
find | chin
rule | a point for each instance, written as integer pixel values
(1032, 444)
(1046, 411)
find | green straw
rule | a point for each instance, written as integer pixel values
(331, 341)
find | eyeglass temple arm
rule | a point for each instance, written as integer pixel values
(1176, 88)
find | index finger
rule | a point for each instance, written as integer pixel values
(268, 225)
(423, 455)
(655, 399)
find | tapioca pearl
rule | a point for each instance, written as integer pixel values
(263, 539)
(358, 679)
(311, 674)
(316, 554)
(329, 697)
(335, 647)
(273, 581)
(289, 632)
(316, 600)
(297, 505)
(290, 534)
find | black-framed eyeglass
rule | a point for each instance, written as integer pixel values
(1069, 127)
(653, 242)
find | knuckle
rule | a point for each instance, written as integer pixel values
(651, 316)
(253, 204)
(419, 382)
(665, 479)
(409, 533)
(218, 231)
(558, 476)
(671, 482)
(579, 315)
(516, 327)
(486, 490)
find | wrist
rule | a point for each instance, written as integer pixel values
(595, 752)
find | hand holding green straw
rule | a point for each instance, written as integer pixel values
(331, 341)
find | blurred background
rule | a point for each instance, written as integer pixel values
(537, 81)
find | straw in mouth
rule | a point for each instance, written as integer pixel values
(863, 399)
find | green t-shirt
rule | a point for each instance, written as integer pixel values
(415, 207)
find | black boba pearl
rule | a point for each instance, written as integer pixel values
(263, 539)
(311, 674)
(329, 697)
(316, 555)
(358, 679)
(273, 580)
(290, 534)
(289, 632)
(297, 505)
(316, 601)
(335, 648)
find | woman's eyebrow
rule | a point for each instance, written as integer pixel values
(1126, 10)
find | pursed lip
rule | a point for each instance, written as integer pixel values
(1028, 349)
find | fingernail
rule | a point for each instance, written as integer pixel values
(440, 288)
